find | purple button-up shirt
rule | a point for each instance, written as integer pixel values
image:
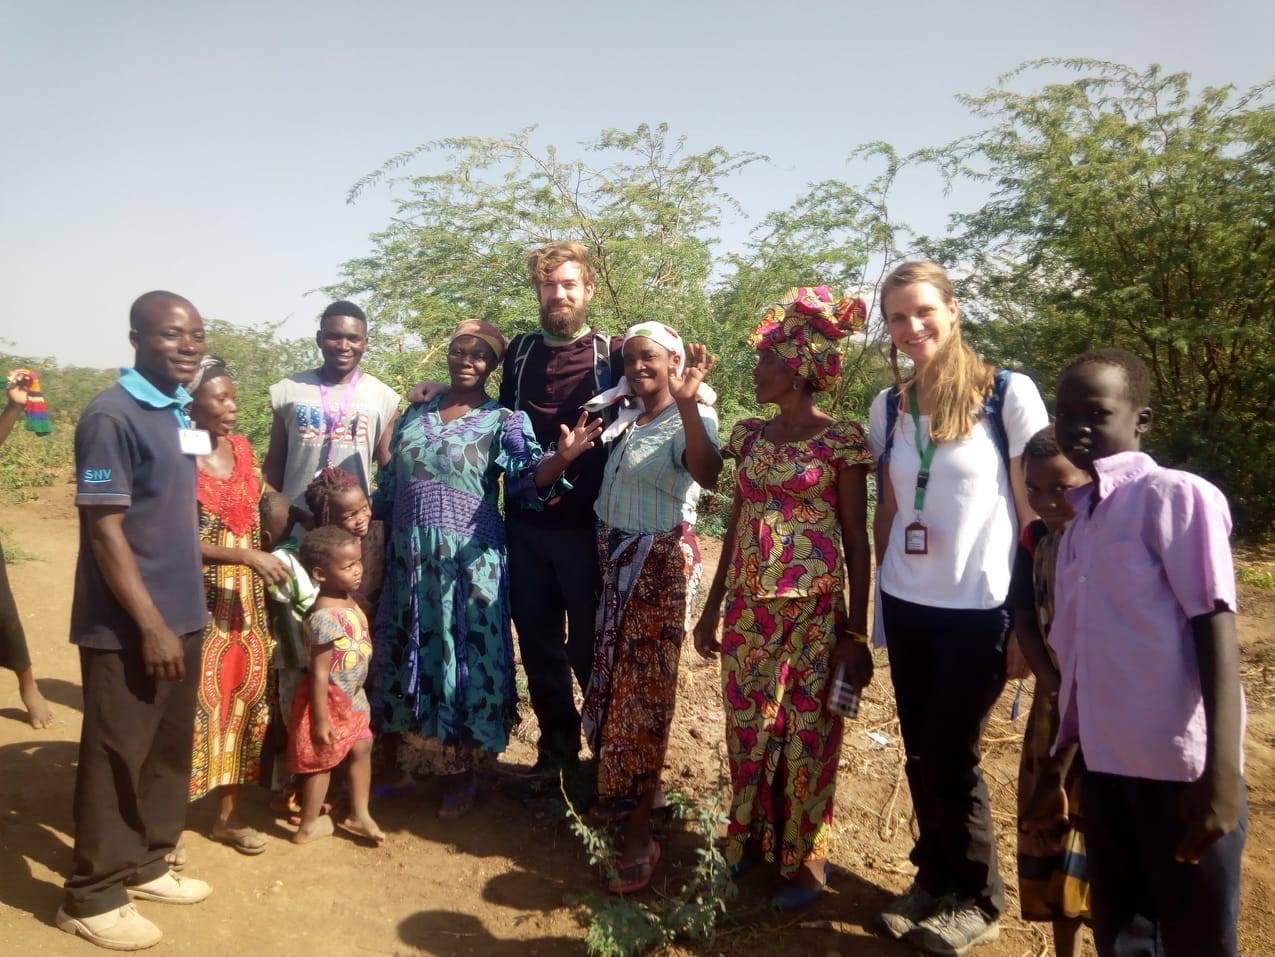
(1153, 554)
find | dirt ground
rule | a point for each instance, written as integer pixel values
(509, 879)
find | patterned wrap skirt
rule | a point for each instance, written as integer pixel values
(1053, 873)
(649, 583)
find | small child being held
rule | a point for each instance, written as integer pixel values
(331, 715)
(1052, 871)
(286, 604)
(336, 497)
(1144, 630)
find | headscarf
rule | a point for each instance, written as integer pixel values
(210, 367)
(804, 327)
(622, 392)
(484, 331)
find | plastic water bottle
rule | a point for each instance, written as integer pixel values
(843, 697)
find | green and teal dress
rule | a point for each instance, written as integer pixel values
(443, 661)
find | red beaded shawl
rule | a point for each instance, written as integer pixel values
(233, 499)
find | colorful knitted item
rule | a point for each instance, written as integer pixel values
(36, 410)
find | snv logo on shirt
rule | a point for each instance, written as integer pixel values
(96, 476)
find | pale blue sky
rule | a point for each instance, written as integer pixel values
(208, 147)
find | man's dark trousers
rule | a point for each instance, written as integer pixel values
(554, 572)
(1145, 903)
(133, 779)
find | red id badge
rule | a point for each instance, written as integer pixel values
(916, 539)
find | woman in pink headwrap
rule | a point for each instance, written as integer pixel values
(797, 532)
(442, 647)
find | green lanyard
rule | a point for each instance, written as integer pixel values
(927, 454)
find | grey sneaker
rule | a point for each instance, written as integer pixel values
(907, 910)
(956, 927)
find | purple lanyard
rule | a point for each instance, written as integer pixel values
(333, 422)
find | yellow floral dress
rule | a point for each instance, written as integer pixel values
(785, 605)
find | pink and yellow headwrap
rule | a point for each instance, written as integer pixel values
(804, 327)
(484, 331)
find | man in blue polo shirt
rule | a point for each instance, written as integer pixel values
(137, 617)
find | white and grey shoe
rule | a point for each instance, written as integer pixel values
(955, 928)
(120, 929)
(168, 888)
(907, 910)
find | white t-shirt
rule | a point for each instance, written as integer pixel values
(312, 444)
(969, 506)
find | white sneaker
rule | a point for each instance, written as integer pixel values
(122, 929)
(171, 889)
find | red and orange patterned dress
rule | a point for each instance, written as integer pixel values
(349, 714)
(232, 709)
(785, 605)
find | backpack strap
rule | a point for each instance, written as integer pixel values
(994, 408)
(601, 361)
(523, 344)
(891, 421)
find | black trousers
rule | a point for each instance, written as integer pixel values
(13, 639)
(1143, 902)
(133, 778)
(948, 668)
(554, 573)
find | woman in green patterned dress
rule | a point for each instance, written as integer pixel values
(443, 658)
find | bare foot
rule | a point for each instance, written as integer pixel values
(38, 711)
(362, 827)
(176, 858)
(321, 827)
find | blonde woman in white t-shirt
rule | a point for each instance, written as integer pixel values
(946, 530)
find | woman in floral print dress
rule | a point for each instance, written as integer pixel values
(443, 663)
(800, 505)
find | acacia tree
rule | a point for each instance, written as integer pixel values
(1129, 211)
(456, 248)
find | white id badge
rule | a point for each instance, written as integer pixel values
(916, 539)
(195, 441)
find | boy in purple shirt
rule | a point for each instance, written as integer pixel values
(1144, 630)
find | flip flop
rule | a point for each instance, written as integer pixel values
(457, 802)
(243, 843)
(790, 897)
(617, 885)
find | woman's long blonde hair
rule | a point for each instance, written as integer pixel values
(958, 379)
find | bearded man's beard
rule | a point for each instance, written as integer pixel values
(563, 323)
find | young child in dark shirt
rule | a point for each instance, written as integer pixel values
(336, 497)
(1053, 874)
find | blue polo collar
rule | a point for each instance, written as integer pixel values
(144, 391)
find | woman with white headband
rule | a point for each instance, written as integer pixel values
(664, 450)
